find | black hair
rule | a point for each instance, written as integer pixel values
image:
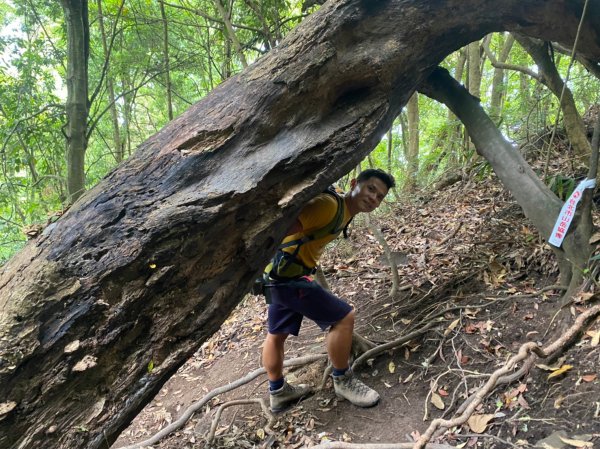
(386, 178)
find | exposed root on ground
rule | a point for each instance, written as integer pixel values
(342, 445)
(362, 343)
(392, 344)
(528, 352)
(180, 422)
(261, 402)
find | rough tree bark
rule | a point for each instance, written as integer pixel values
(149, 263)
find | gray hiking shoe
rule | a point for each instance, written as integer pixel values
(352, 389)
(287, 396)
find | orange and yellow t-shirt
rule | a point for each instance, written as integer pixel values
(317, 214)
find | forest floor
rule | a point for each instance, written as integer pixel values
(469, 261)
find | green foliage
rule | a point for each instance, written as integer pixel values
(33, 88)
(201, 56)
(31, 116)
(562, 186)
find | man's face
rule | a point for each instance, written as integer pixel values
(366, 196)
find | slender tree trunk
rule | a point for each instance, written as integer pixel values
(405, 133)
(226, 59)
(277, 21)
(474, 88)
(390, 148)
(229, 31)
(525, 91)
(168, 86)
(474, 64)
(412, 156)
(211, 61)
(455, 138)
(498, 81)
(390, 158)
(127, 112)
(268, 37)
(77, 106)
(460, 65)
(119, 151)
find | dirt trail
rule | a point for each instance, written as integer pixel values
(469, 252)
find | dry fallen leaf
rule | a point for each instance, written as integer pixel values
(556, 365)
(595, 337)
(585, 296)
(470, 328)
(563, 369)
(436, 400)
(478, 423)
(589, 377)
(392, 367)
(576, 443)
(558, 401)
(522, 402)
(451, 326)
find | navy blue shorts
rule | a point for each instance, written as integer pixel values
(291, 301)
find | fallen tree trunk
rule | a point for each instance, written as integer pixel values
(110, 301)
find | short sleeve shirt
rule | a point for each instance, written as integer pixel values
(317, 214)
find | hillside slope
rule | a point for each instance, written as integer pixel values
(471, 264)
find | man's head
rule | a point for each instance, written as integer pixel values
(368, 190)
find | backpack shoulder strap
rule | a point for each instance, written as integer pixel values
(335, 226)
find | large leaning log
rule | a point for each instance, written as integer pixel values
(148, 264)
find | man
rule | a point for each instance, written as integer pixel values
(293, 299)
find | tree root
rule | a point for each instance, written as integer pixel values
(342, 445)
(528, 351)
(392, 344)
(261, 402)
(180, 422)
(367, 347)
